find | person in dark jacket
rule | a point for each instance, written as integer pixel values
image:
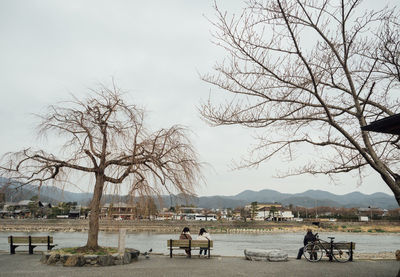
(309, 237)
(186, 235)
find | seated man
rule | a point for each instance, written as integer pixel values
(309, 237)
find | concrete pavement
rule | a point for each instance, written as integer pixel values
(22, 264)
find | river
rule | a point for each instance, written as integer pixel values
(224, 244)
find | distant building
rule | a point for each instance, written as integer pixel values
(224, 214)
(119, 211)
(17, 209)
(372, 212)
(75, 212)
(192, 213)
(264, 205)
(165, 215)
(188, 213)
(273, 212)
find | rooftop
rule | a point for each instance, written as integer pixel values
(388, 125)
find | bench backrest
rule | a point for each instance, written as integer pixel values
(185, 243)
(340, 245)
(33, 239)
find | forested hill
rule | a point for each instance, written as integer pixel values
(310, 198)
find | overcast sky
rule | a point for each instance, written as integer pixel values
(155, 50)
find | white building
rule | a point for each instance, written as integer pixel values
(274, 215)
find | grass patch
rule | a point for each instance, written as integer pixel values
(354, 230)
(376, 230)
(331, 227)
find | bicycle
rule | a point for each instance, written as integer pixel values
(340, 251)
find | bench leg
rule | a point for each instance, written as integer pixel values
(12, 249)
(170, 248)
(351, 252)
(31, 249)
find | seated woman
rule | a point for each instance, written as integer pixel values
(186, 235)
(203, 235)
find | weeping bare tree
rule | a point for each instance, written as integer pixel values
(106, 138)
(306, 72)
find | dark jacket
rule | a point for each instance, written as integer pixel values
(309, 237)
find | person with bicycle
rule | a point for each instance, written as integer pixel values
(309, 237)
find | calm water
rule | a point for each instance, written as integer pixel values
(224, 244)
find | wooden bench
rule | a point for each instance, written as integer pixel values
(191, 244)
(31, 242)
(341, 246)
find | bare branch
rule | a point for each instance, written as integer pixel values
(309, 72)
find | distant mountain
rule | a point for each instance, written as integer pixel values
(310, 198)
(215, 202)
(265, 195)
(14, 193)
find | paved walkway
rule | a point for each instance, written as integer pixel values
(28, 265)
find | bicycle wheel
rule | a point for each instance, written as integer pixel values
(312, 252)
(339, 254)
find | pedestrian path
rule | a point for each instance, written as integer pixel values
(29, 266)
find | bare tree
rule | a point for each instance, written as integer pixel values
(106, 138)
(307, 72)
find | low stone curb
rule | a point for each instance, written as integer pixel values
(52, 258)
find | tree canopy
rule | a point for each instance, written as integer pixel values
(305, 72)
(107, 138)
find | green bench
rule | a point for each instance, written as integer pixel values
(31, 242)
(191, 244)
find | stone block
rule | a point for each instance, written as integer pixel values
(277, 256)
(105, 260)
(256, 254)
(134, 253)
(45, 257)
(53, 259)
(127, 258)
(273, 255)
(64, 258)
(75, 260)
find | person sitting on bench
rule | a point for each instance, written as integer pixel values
(203, 235)
(186, 235)
(309, 237)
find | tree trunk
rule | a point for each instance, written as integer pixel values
(93, 235)
(396, 191)
(393, 184)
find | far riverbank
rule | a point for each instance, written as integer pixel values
(217, 227)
